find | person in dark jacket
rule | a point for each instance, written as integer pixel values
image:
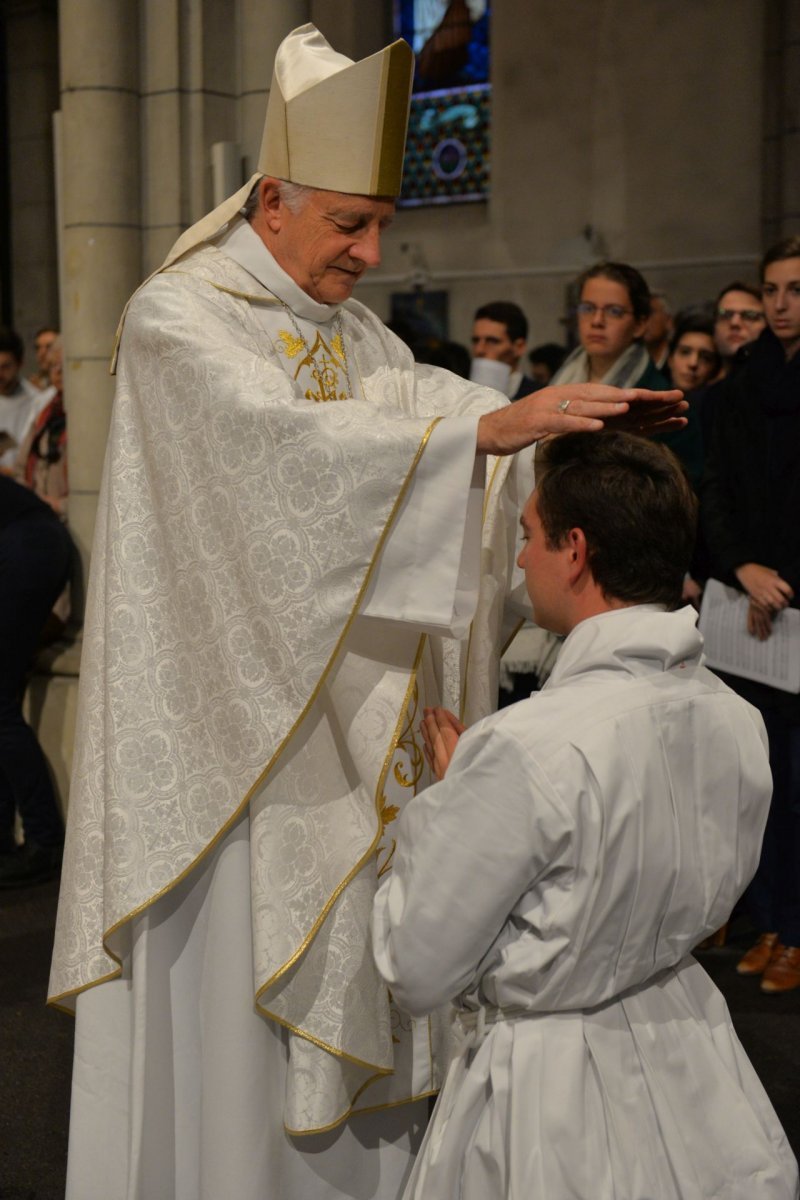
(35, 554)
(750, 501)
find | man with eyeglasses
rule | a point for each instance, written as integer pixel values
(738, 319)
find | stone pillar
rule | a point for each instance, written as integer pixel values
(164, 211)
(101, 236)
(353, 28)
(32, 65)
(781, 195)
(262, 31)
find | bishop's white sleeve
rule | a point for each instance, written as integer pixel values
(520, 484)
(428, 572)
(467, 849)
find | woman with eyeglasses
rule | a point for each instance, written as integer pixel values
(612, 311)
(749, 507)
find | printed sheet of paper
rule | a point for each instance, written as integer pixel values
(729, 647)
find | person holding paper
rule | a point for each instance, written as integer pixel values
(749, 504)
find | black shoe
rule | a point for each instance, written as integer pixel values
(30, 864)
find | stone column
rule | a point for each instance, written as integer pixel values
(101, 254)
(32, 64)
(262, 31)
(781, 195)
(353, 28)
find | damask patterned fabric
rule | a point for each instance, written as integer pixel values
(224, 664)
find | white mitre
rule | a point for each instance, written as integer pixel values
(331, 123)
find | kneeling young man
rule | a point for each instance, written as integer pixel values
(577, 846)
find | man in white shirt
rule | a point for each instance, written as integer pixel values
(577, 846)
(499, 334)
(20, 401)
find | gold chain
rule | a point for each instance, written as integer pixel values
(338, 334)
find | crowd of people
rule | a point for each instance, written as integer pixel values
(298, 828)
(736, 360)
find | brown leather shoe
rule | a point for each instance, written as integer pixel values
(758, 957)
(783, 973)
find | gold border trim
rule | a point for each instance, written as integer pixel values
(318, 1042)
(497, 464)
(224, 828)
(269, 299)
(512, 635)
(358, 1112)
(359, 866)
(463, 703)
(378, 1072)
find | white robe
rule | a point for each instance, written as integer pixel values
(554, 883)
(281, 576)
(18, 411)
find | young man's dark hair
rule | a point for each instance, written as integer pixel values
(750, 289)
(632, 500)
(691, 323)
(11, 343)
(786, 248)
(631, 279)
(505, 313)
(550, 354)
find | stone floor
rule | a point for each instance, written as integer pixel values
(36, 1045)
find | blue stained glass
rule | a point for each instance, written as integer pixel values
(447, 153)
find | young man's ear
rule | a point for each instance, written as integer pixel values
(577, 553)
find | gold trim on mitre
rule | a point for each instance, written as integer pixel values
(337, 124)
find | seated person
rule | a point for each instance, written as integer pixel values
(42, 342)
(42, 459)
(577, 846)
(20, 401)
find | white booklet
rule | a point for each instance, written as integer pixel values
(729, 647)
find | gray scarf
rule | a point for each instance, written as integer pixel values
(629, 367)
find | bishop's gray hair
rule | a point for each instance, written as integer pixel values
(294, 195)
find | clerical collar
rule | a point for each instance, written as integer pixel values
(241, 243)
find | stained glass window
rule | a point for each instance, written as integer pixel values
(447, 152)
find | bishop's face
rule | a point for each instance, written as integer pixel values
(328, 243)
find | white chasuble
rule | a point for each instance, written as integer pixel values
(267, 606)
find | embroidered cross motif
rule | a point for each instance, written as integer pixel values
(324, 363)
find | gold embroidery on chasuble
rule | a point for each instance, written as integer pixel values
(326, 364)
(407, 766)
